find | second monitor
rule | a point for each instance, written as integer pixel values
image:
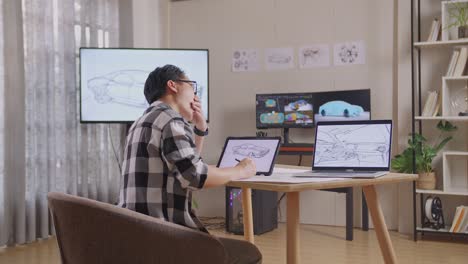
(304, 110)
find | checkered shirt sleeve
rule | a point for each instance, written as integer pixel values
(180, 154)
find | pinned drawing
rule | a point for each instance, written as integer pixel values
(245, 60)
(119, 87)
(349, 53)
(314, 56)
(279, 58)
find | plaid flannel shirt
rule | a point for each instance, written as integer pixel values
(161, 167)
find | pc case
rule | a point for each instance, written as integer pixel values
(264, 208)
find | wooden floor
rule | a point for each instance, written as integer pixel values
(319, 244)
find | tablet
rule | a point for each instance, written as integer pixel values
(262, 150)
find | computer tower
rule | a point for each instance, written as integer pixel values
(264, 208)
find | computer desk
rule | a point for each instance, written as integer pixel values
(304, 149)
(292, 191)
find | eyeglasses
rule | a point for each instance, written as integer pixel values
(192, 83)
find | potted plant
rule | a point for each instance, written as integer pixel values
(425, 153)
(458, 15)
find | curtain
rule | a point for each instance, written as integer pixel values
(62, 154)
(2, 136)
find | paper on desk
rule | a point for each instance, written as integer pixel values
(286, 170)
(285, 178)
(284, 175)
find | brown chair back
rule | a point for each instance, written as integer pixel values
(93, 232)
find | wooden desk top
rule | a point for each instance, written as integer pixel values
(297, 187)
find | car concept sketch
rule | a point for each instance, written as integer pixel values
(349, 144)
(121, 87)
(279, 59)
(340, 108)
(250, 150)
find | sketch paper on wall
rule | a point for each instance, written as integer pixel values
(314, 56)
(349, 53)
(245, 60)
(279, 58)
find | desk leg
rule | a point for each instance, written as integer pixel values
(248, 217)
(292, 228)
(379, 224)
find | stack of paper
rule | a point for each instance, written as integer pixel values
(284, 175)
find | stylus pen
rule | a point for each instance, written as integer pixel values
(237, 160)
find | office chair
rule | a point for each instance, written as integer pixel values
(93, 232)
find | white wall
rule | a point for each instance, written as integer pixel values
(150, 23)
(224, 25)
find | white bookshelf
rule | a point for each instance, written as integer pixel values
(455, 172)
(442, 230)
(449, 34)
(453, 176)
(452, 192)
(448, 118)
(453, 78)
(440, 44)
(451, 88)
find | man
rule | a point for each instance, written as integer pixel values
(162, 163)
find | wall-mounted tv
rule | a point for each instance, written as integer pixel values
(304, 110)
(112, 80)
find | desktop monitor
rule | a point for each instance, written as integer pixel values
(112, 80)
(349, 105)
(304, 110)
(284, 110)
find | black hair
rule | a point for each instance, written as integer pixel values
(156, 83)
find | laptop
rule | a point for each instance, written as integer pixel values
(351, 149)
(262, 151)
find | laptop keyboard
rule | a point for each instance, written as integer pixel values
(342, 174)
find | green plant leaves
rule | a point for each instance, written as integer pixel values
(425, 153)
(446, 126)
(459, 13)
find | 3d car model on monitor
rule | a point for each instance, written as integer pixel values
(340, 108)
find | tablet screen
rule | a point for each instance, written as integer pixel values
(261, 150)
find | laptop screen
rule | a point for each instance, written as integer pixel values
(353, 145)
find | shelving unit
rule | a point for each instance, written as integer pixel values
(440, 231)
(454, 163)
(440, 44)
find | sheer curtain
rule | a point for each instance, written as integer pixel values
(2, 134)
(62, 154)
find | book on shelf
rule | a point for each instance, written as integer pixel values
(432, 105)
(436, 109)
(435, 30)
(452, 63)
(460, 220)
(461, 62)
